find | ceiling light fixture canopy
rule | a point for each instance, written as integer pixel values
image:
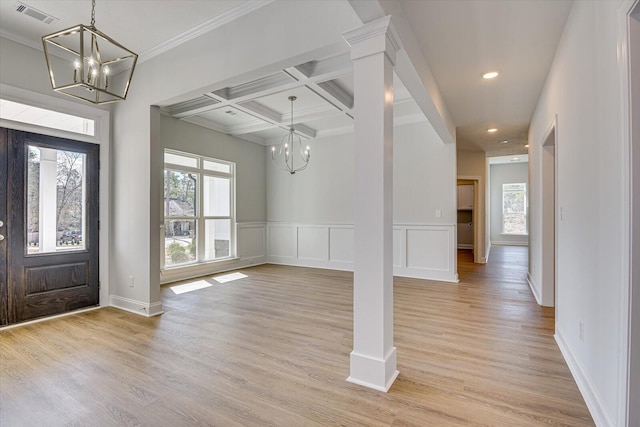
(287, 155)
(492, 130)
(87, 64)
(491, 75)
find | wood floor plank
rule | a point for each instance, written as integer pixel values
(272, 349)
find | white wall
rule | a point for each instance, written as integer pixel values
(310, 214)
(474, 164)
(251, 191)
(505, 174)
(634, 366)
(584, 89)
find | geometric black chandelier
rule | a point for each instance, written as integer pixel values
(87, 64)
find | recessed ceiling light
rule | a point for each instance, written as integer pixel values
(504, 142)
(492, 130)
(490, 75)
(526, 145)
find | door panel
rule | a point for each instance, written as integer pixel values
(52, 244)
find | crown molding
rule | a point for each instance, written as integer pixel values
(163, 47)
(21, 40)
(203, 28)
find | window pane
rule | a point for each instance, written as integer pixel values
(177, 159)
(217, 238)
(217, 200)
(55, 200)
(514, 224)
(514, 205)
(179, 193)
(513, 201)
(179, 242)
(216, 167)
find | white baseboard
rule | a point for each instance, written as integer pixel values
(312, 263)
(588, 391)
(426, 274)
(534, 290)
(508, 243)
(137, 307)
(464, 246)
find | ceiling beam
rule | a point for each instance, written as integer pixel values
(411, 65)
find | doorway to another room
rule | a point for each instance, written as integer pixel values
(467, 190)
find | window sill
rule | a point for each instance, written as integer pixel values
(221, 261)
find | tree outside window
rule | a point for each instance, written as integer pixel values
(514, 208)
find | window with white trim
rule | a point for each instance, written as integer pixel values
(514, 208)
(199, 205)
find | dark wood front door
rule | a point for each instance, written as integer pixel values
(50, 214)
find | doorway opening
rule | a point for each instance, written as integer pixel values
(549, 291)
(467, 217)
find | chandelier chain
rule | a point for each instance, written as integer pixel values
(93, 13)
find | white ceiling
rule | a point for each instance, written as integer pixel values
(143, 24)
(460, 39)
(464, 39)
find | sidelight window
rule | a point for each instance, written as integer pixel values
(56, 200)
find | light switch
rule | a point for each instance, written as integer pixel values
(438, 213)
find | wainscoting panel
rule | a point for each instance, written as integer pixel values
(341, 240)
(428, 249)
(283, 241)
(399, 253)
(252, 240)
(421, 251)
(313, 243)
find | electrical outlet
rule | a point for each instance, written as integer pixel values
(438, 213)
(132, 281)
(581, 326)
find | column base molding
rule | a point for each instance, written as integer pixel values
(378, 374)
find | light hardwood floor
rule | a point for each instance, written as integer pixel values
(273, 349)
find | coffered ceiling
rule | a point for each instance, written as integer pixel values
(260, 110)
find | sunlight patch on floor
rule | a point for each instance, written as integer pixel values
(229, 277)
(189, 287)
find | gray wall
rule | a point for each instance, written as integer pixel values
(251, 204)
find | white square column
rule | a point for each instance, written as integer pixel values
(373, 52)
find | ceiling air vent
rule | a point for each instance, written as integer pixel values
(34, 13)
